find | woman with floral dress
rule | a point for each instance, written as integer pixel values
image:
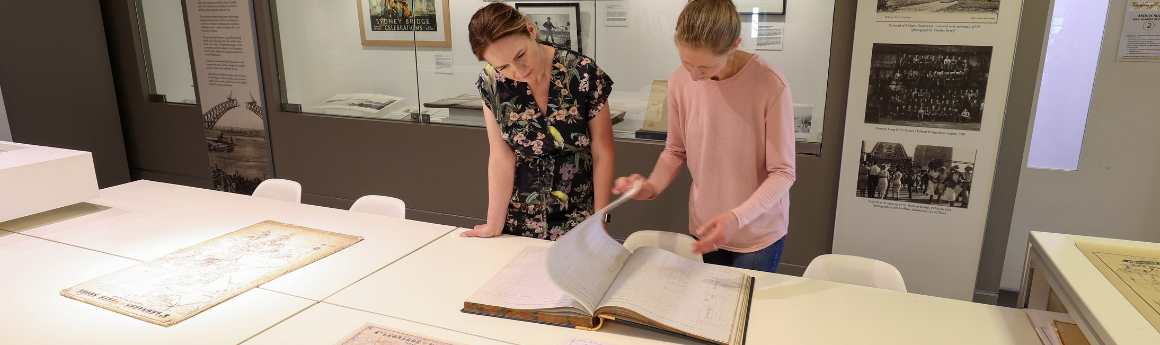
(548, 126)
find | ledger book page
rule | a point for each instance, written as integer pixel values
(697, 298)
(585, 260)
(524, 284)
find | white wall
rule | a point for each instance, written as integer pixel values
(323, 55)
(5, 131)
(1116, 191)
(168, 49)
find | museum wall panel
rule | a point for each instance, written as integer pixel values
(5, 132)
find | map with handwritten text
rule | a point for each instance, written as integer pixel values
(179, 285)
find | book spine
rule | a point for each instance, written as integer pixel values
(529, 315)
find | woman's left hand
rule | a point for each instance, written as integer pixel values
(716, 232)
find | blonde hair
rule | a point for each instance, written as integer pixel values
(708, 25)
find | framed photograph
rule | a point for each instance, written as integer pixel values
(916, 173)
(934, 86)
(405, 23)
(558, 23)
(760, 7)
(939, 11)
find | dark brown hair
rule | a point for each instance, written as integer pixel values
(708, 25)
(492, 23)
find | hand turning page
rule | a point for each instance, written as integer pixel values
(585, 261)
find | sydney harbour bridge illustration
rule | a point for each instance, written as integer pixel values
(214, 114)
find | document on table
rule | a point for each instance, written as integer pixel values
(1135, 272)
(372, 334)
(574, 340)
(584, 261)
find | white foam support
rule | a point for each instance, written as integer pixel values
(35, 179)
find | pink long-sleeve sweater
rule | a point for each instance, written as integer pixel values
(737, 137)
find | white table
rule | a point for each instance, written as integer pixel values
(32, 311)
(1054, 263)
(144, 220)
(326, 324)
(430, 285)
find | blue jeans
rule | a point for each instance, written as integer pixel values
(765, 259)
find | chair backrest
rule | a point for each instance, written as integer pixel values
(380, 205)
(279, 189)
(855, 270)
(675, 243)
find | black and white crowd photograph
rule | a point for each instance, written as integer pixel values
(922, 174)
(935, 86)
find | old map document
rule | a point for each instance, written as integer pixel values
(372, 334)
(1135, 272)
(177, 286)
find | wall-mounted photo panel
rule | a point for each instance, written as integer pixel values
(406, 23)
(763, 7)
(935, 86)
(916, 173)
(558, 23)
(939, 11)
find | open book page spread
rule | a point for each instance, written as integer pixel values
(524, 284)
(177, 286)
(585, 260)
(372, 334)
(701, 299)
(1134, 271)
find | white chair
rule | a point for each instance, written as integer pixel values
(855, 270)
(380, 205)
(279, 189)
(675, 243)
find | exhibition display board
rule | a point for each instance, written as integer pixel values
(229, 91)
(928, 89)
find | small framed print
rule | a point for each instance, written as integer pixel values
(760, 7)
(408, 23)
(557, 23)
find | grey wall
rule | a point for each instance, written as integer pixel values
(165, 141)
(58, 86)
(5, 133)
(1115, 192)
(1025, 73)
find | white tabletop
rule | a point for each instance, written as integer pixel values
(430, 285)
(1103, 306)
(32, 311)
(144, 220)
(326, 324)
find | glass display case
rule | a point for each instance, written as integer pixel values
(356, 58)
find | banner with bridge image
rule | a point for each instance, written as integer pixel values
(229, 90)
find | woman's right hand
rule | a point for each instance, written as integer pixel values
(625, 184)
(483, 230)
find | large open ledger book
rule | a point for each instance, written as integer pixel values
(587, 277)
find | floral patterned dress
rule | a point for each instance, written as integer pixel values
(553, 187)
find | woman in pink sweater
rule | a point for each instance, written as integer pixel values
(731, 121)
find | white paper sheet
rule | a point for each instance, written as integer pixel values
(584, 261)
(574, 340)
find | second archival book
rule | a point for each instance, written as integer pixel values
(587, 277)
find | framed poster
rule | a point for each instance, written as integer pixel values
(405, 23)
(557, 23)
(766, 7)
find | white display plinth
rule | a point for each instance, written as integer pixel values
(35, 179)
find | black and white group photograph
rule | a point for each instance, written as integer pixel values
(934, 86)
(921, 174)
(945, 11)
